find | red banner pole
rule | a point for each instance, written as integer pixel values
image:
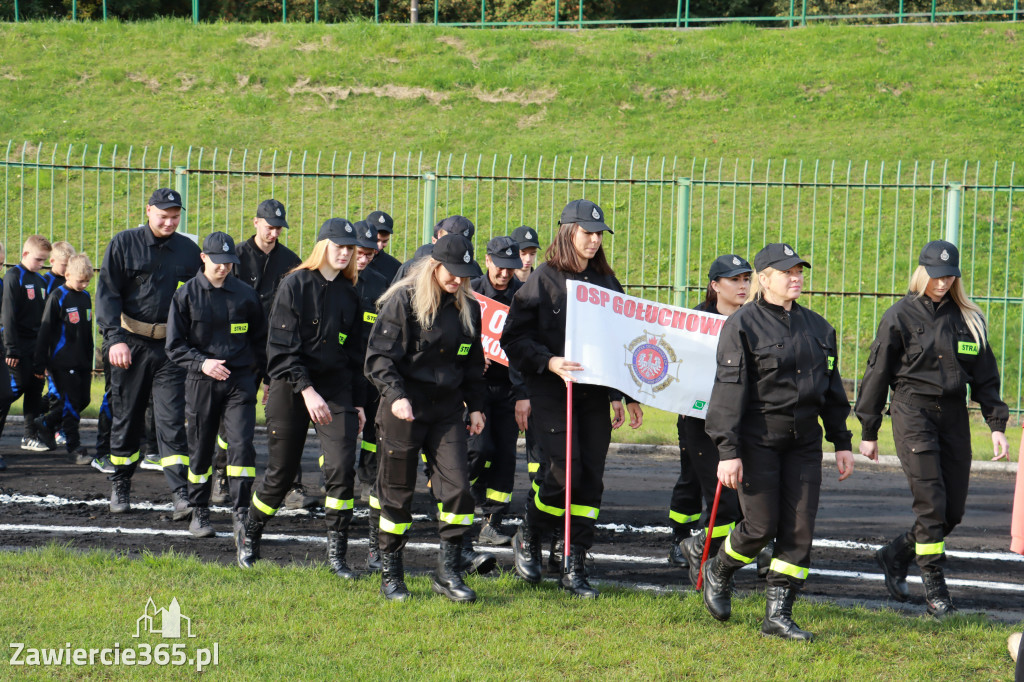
(1017, 516)
(707, 538)
(568, 472)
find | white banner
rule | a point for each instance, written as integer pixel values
(659, 355)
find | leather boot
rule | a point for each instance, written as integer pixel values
(556, 554)
(894, 559)
(764, 560)
(373, 562)
(778, 615)
(526, 554)
(491, 533)
(392, 581)
(473, 561)
(693, 550)
(936, 594)
(717, 588)
(337, 548)
(676, 553)
(247, 541)
(447, 580)
(574, 580)
(119, 493)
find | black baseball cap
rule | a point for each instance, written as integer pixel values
(366, 236)
(165, 197)
(272, 211)
(526, 237)
(940, 259)
(728, 265)
(778, 256)
(338, 230)
(381, 221)
(504, 252)
(220, 248)
(586, 214)
(455, 253)
(456, 224)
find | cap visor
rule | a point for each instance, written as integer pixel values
(168, 204)
(384, 228)
(595, 226)
(344, 241)
(221, 258)
(734, 272)
(514, 263)
(936, 271)
(528, 245)
(789, 263)
(276, 222)
(460, 269)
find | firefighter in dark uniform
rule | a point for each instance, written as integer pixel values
(492, 453)
(370, 287)
(425, 357)
(217, 331)
(777, 374)
(534, 340)
(262, 262)
(383, 263)
(142, 268)
(455, 224)
(931, 345)
(728, 286)
(314, 360)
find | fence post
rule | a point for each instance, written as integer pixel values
(284, 11)
(954, 199)
(316, 11)
(901, 12)
(195, 11)
(933, 11)
(791, 10)
(803, 14)
(429, 205)
(104, 10)
(181, 187)
(376, 11)
(74, 10)
(483, 13)
(435, 11)
(683, 187)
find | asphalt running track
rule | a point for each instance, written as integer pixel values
(45, 498)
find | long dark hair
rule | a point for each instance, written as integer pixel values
(711, 298)
(561, 254)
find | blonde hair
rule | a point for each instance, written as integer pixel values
(62, 251)
(972, 314)
(318, 255)
(425, 295)
(37, 241)
(756, 290)
(79, 265)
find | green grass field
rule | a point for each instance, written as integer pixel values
(300, 622)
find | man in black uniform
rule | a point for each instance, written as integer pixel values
(455, 224)
(142, 268)
(529, 245)
(492, 453)
(383, 263)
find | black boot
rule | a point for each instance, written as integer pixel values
(574, 580)
(337, 548)
(373, 563)
(936, 594)
(778, 615)
(119, 503)
(447, 580)
(491, 533)
(473, 561)
(676, 553)
(764, 560)
(247, 541)
(717, 588)
(895, 558)
(200, 524)
(556, 554)
(693, 551)
(392, 581)
(526, 553)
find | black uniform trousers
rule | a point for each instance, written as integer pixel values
(74, 389)
(23, 382)
(287, 422)
(439, 432)
(150, 375)
(207, 403)
(492, 452)
(685, 507)
(106, 418)
(220, 458)
(702, 465)
(591, 434)
(367, 468)
(534, 457)
(933, 442)
(779, 499)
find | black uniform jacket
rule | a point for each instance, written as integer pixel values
(386, 265)
(263, 271)
(65, 334)
(403, 358)
(140, 274)
(24, 298)
(53, 281)
(535, 327)
(370, 287)
(925, 349)
(223, 323)
(313, 340)
(498, 374)
(776, 369)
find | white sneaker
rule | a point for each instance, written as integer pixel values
(151, 463)
(1013, 644)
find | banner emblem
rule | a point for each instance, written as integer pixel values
(650, 359)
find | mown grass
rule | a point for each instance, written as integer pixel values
(301, 623)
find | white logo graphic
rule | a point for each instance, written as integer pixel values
(348, 228)
(508, 252)
(596, 213)
(465, 233)
(528, 235)
(788, 251)
(466, 258)
(278, 213)
(735, 260)
(225, 248)
(944, 255)
(173, 197)
(381, 220)
(169, 618)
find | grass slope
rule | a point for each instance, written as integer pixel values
(846, 92)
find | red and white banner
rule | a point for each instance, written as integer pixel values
(659, 355)
(492, 320)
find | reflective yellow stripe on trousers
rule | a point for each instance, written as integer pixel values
(554, 511)
(341, 505)
(722, 531)
(585, 512)
(682, 518)
(498, 496)
(262, 506)
(782, 567)
(124, 461)
(393, 528)
(924, 549)
(221, 443)
(734, 554)
(241, 472)
(455, 519)
(199, 478)
(171, 460)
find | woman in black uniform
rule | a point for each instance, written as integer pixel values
(777, 374)
(314, 361)
(425, 357)
(931, 345)
(534, 340)
(728, 284)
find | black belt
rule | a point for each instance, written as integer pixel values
(925, 402)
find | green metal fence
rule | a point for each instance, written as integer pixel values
(860, 225)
